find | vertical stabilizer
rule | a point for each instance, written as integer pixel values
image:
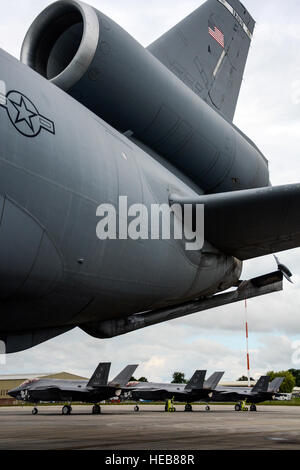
(275, 385)
(100, 376)
(124, 377)
(197, 381)
(213, 381)
(262, 385)
(208, 51)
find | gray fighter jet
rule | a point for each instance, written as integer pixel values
(197, 389)
(89, 119)
(95, 390)
(262, 391)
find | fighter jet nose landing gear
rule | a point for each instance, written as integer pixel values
(188, 408)
(66, 410)
(35, 411)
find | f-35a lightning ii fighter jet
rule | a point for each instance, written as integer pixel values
(95, 390)
(197, 389)
(100, 136)
(262, 391)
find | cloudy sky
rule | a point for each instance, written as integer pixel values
(269, 112)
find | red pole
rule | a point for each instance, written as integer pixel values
(247, 344)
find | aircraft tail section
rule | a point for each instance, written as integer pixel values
(197, 381)
(275, 385)
(100, 376)
(213, 381)
(208, 51)
(124, 377)
(262, 385)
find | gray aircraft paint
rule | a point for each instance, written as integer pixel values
(196, 389)
(62, 155)
(262, 391)
(95, 390)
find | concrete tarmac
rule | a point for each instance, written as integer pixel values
(119, 428)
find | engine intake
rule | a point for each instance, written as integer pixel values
(99, 64)
(61, 43)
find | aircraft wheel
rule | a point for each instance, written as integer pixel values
(67, 410)
(253, 408)
(238, 408)
(188, 408)
(136, 409)
(96, 410)
(207, 408)
(35, 411)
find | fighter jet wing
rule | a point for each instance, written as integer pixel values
(251, 223)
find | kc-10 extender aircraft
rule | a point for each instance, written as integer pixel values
(95, 390)
(90, 117)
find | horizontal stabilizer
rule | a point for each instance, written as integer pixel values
(262, 385)
(124, 377)
(213, 381)
(197, 381)
(100, 376)
(251, 223)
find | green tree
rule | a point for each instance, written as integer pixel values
(179, 378)
(296, 374)
(289, 380)
(142, 379)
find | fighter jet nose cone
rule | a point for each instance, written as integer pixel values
(29, 259)
(13, 393)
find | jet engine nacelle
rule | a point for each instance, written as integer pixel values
(99, 64)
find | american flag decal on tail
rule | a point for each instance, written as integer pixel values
(217, 35)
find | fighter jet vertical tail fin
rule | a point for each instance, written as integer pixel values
(124, 377)
(213, 381)
(262, 385)
(208, 51)
(275, 385)
(197, 381)
(100, 376)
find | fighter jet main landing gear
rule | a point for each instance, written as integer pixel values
(136, 409)
(66, 410)
(188, 408)
(96, 410)
(253, 408)
(35, 411)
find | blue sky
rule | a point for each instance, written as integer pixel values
(269, 112)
